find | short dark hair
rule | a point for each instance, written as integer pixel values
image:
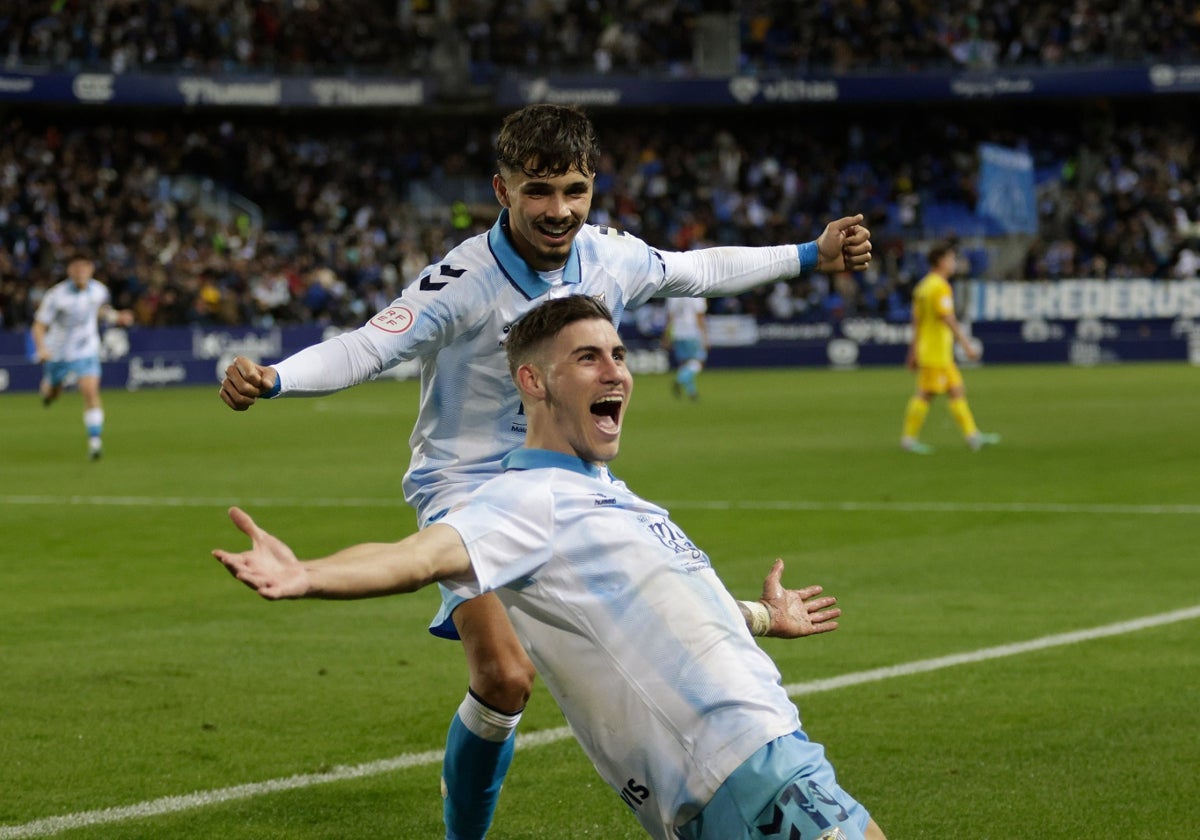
(76, 256)
(547, 141)
(546, 321)
(940, 250)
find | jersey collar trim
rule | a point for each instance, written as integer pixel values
(533, 459)
(517, 270)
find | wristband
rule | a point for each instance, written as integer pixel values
(273, 391)
(809, 255)
(760, 617)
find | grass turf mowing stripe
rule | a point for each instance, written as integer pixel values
(173, 804)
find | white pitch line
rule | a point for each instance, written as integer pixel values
(173, 804)
(847, 507)
(1000, 651)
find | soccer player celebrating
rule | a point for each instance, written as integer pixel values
(454, 318)
(66, 339)
(645, 651)
(935, 329)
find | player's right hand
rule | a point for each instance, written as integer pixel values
(245, 382)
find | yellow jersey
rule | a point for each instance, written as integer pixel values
(932, 301)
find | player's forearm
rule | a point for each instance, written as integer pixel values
(729, 270)
(369, 570)
(39, 337)
(332, 365)
(957, 330)
(366, 570)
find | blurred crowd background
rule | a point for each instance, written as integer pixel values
(589, 35)
(256, 217)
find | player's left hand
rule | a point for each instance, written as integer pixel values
(844, 245)
(270, 568)
(797, 612)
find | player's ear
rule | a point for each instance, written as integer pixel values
(531, 381)
(500, 187)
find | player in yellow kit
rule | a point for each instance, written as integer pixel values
(931, 355)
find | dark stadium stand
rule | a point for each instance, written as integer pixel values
(258, 215)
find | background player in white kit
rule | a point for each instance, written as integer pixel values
(453, 318)
(687, 336)
(644, 649)
(66, 339)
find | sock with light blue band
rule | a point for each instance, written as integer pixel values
(808, 255)
(479, 749)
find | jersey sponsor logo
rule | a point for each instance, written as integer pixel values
(675, 540)
(394, 319)
(635, 793)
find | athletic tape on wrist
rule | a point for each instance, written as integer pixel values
(760, 617)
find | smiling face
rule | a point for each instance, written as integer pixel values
(577, 390)
(544, 213)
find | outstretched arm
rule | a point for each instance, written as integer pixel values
(112, 316)
(789, 613)
(366, 570)
(844, 245)
(332, 365)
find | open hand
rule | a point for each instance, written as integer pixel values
(269, 567)
(797, 612)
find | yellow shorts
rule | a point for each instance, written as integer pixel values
(939, 380)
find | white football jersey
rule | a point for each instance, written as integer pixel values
(684, 313)
(640, 643)
(70, 315)
(454, 319)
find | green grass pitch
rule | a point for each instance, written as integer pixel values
(133, 668)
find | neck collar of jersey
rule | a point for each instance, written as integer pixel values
(517, 270)
(536, 459)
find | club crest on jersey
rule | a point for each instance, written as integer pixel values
(394, 319)
(685, 550)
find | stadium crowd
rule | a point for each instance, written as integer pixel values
(587, 35)
(339, 233)
(337, 217)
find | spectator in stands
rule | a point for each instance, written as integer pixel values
(1121, 201)
(620, 36)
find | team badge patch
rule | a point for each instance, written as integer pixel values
(394, 319)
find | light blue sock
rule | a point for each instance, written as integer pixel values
(687, 377)
(93, 421)
(479, 749)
